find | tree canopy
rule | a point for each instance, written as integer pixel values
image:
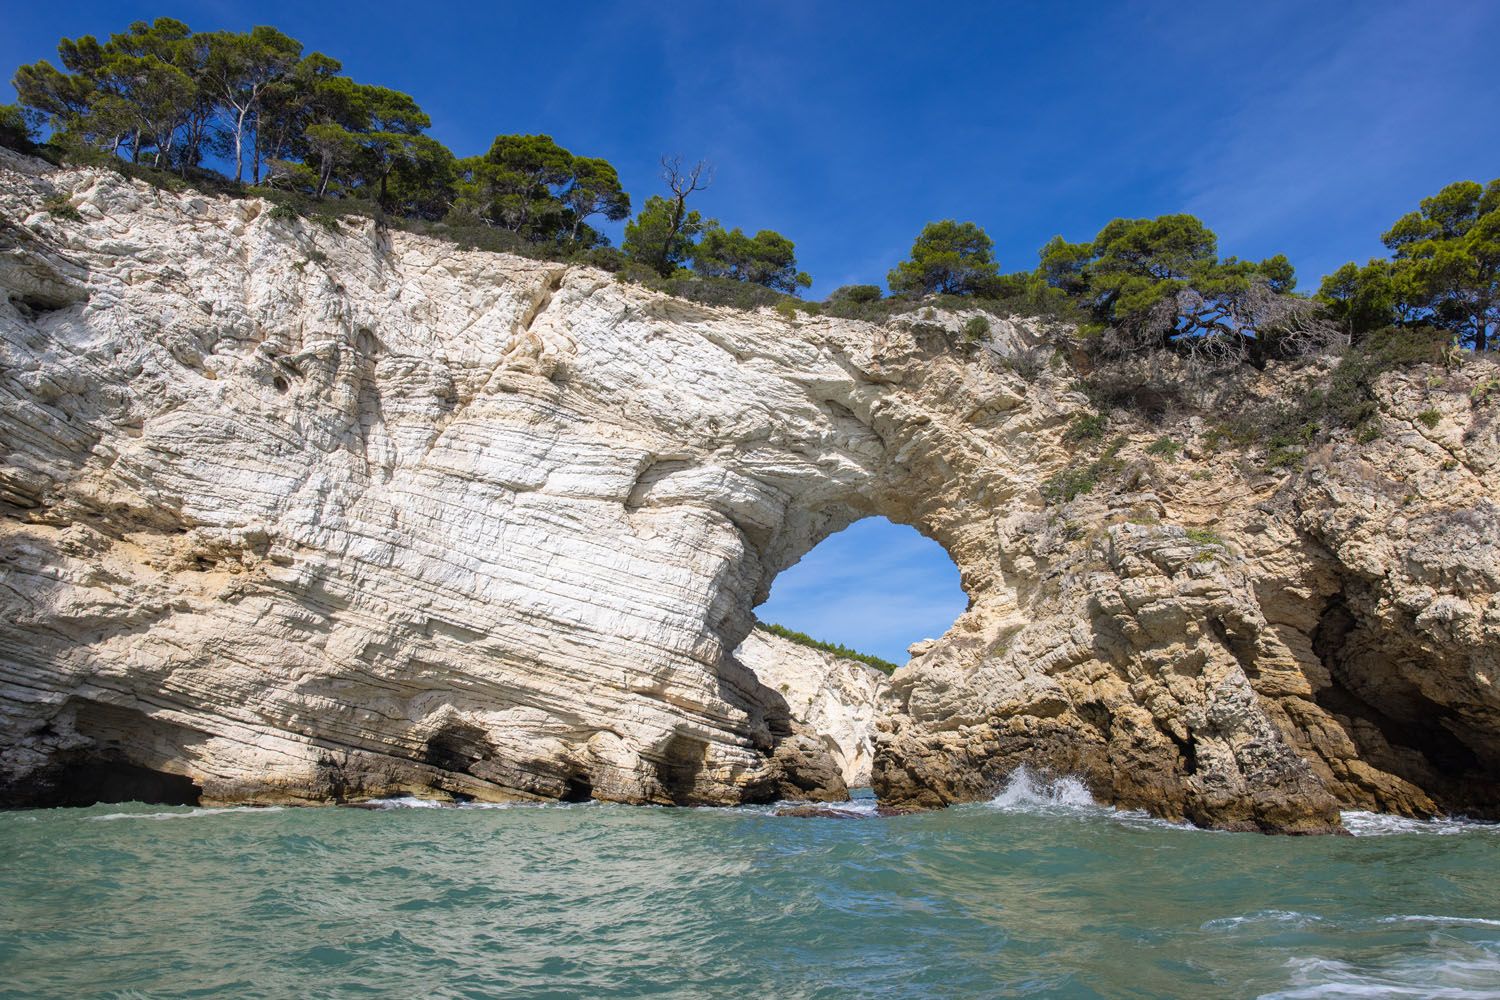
(767, 258)
(948, 258)
(15, 130)
(1444, 270)
(661, 235)
(272, 115)
(530, 185)
(1161, 281)
(161, 95)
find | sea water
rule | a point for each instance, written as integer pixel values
(1039, 893)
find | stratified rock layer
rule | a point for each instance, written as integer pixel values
(293, 514)
(839, 699)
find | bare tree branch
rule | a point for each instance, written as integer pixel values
(697, 178)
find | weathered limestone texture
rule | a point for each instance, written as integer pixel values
(292, 514)
(837, 698)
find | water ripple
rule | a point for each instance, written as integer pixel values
(1040, 893)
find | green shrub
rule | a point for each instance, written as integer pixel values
(719, 291)
(1028, 363)
(1204, 536)
(1164, 447)
(15, 130)
(283, 213)
(1284, 457)
(855, 294)
(976, 329)
(1070, 483)
(605, 258)
(1350, 398)
(1086, 427)
(1429, 418)
(60, 207)
(836, 648)
(1080, 478)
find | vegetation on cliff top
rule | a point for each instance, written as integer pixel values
(836, 648)
(160, 101)
(291, 126)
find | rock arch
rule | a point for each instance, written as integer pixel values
(501, 533)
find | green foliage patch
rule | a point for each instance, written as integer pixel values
(59, 206)
(947, 258)
(836, 648)
(1204, 536)
(1086, 427)
(1164, 447)
(1080, 478)
(976, 329)
(1443, 272)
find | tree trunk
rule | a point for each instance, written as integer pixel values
(239, 145)
(255, 171)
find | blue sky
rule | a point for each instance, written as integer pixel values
(875, 586)
(1290, 127)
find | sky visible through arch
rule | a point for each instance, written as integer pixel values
(875, 586)
(1288, 126)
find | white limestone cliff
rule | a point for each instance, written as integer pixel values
(291, 513)
(838, 698)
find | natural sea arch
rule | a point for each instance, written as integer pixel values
(506, 544)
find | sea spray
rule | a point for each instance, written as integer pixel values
(1025, 791)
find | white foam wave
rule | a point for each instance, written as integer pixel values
(404, 802)
(1460, 972)
(1027, 792)
(416, 802)
(1024, 791)
(1369, 824)
(187, 813)
(1429, 918)
(1290, 918)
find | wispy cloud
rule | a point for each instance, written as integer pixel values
(1340, 116)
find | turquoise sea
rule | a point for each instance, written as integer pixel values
(1039, 893)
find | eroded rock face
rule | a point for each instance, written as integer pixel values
(300, 515)
(839, 699)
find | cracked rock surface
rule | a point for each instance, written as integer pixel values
(292, 514)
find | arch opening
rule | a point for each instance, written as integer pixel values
(875, 586)
(834, 625)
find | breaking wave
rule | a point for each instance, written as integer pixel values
(1025, 791)
(1370, 824)
(1447, 969)
(186, 813)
